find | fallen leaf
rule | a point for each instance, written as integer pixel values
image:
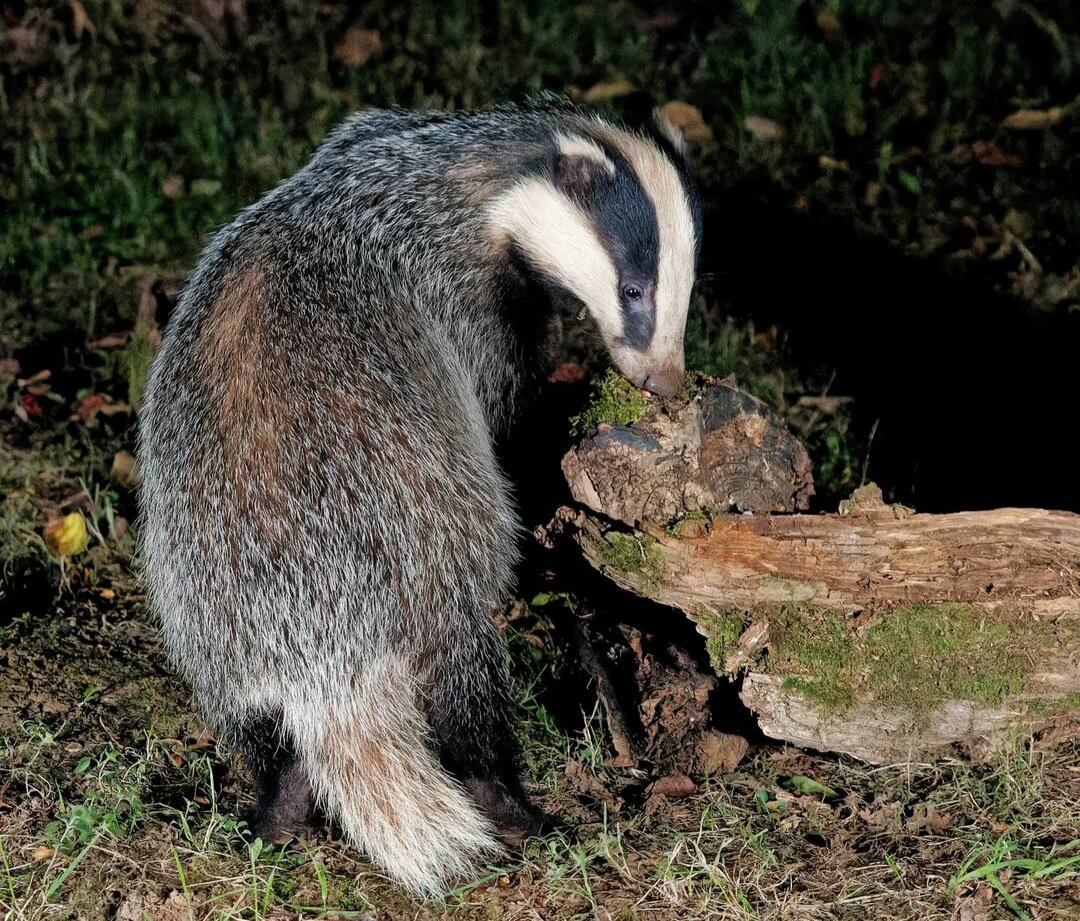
(40, 377)
(831, 163)
(764, 129)
(687, 120)
(87, 408)
(976, 907)
(673, 786)
(928, 818)
(80, 21)
(28, 406)
(608, 89)
(67, 536)
(883, 814)
(588, 783)
(720, 752)
(989, 154)
(1033, 119)
(356, 46)
(125, 469)
(110, 341)
(808, 786)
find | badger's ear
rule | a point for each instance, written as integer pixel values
(579, 164)
(670, 132)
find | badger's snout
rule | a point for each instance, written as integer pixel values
(665, 382)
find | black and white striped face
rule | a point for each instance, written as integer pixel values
(616, 223)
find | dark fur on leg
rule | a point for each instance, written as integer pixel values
(283, 808)
(475, 732)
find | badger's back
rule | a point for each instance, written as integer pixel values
(326, 531)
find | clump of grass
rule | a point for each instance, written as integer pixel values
(614, 401)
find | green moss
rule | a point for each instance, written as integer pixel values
(914, 657)
(691, 521)
(630, 553)
(722, 632)
(818, 650)
(615, 401)
(1068, 704)
(927, 653)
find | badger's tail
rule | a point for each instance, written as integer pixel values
(372, 769)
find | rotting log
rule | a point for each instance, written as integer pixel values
(888, 638)
(875, 632)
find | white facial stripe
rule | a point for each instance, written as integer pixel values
(557, 237)
(675, 276)
(574, 145)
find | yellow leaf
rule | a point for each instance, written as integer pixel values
(67, 536)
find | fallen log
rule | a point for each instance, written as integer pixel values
(876, 632)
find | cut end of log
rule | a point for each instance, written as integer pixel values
(719, 450)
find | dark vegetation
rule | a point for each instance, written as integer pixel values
(892, 260)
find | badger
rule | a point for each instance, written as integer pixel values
(326, 528)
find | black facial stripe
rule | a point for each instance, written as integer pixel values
(625, 220)
(639, 325)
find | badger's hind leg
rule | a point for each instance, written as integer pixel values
(471, 716)
(283, 809)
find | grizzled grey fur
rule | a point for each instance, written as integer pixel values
(326, 529)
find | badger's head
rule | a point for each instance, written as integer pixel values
(612, 219)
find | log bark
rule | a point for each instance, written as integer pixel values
(876, 632)
(888, 637)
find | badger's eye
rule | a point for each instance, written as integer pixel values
(632, 292)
